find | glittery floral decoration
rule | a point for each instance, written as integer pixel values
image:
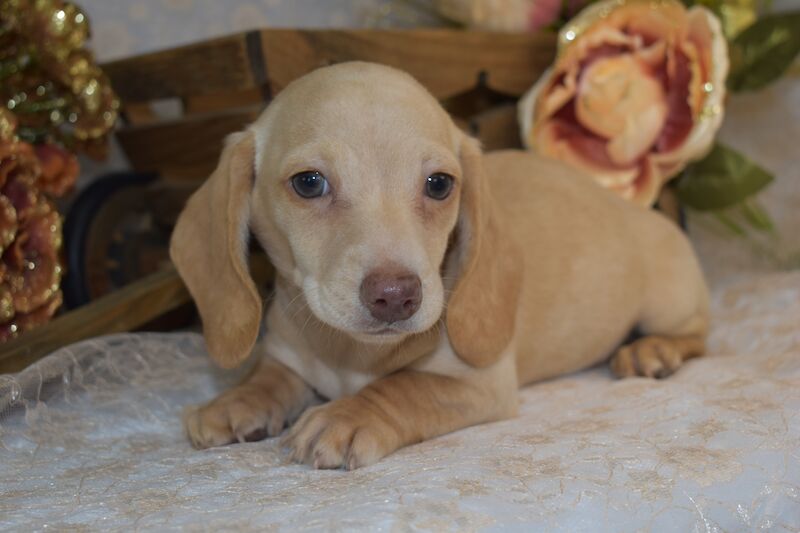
(54, 96)
(47, 78)
(30, 228)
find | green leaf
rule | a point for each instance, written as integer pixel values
(756, 215)
(723, 179)
(735, 15)
(730, 224)
(764, 51)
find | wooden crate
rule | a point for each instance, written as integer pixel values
(219, 86)
(222, 85)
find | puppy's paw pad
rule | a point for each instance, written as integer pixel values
(653, 357)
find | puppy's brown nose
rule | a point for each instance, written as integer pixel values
(391, 296)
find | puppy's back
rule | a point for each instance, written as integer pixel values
(591, 259)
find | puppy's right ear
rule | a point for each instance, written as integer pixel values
(209, 249)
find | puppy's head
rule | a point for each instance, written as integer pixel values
(353, 180)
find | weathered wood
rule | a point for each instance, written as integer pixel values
(446, 61)
(186, 148)
(497, 128)
(140, 113)
(124, 310)
(210, 103)
(215, 66)
(189, 149)
(219, 81)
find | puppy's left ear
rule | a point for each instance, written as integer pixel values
(481, 313)
(209, 249)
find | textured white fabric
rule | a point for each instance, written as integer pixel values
(90, 439)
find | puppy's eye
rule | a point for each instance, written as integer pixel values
(439, 185)
(310, 184)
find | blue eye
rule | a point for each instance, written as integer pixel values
(310, 184)
(439, 185)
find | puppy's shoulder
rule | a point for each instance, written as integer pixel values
(528, 170)
(543, 190)
(532, 181)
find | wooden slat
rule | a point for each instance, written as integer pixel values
(447, 62)
(186, 149)
(215, 66)
(210, 103)
(124, 310)
(140, 113)
(497, 128)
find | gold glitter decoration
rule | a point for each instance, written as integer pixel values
(593, 13)
(8, 124)
(53, 94)
(30, 229)
(47, 78)
(735, 15)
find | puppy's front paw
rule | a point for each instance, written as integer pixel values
(245, 413)
(652, 357)
(340, 434)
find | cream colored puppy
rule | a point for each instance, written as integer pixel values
(419, 281)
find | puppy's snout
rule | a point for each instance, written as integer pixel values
(391, 296)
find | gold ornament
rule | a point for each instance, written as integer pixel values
(52, 93)
(50, 82)
(30, 230)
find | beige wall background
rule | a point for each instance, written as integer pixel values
(125, 27)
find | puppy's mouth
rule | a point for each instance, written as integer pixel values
(386, 331)
(381, 334)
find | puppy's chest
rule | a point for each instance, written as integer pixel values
(330, 382)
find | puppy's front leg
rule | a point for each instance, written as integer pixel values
(400, 409)
(271, 396)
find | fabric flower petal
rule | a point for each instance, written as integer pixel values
(635, 94)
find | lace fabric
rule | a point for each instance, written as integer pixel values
(90, 438)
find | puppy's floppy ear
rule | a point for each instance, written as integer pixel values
(481, 313)
(209, 249)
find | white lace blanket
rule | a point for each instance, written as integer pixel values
(90, 439)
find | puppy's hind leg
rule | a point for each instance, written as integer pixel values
(674, 319)
(656, 356)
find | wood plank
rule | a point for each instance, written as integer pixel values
(124, 310)
(497, 128)
(450, 63)
(447, 62)
(210, 103)
(184, 149)
(214, 66)
(140, 113)
(188, 149)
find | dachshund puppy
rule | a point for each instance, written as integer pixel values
(419, 282)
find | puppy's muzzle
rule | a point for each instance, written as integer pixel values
(391, 296)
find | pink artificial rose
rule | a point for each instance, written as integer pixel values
(506, 15)
(635, 94)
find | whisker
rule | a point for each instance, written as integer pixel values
(302, 329)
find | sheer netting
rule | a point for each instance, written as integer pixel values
(90, 438)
